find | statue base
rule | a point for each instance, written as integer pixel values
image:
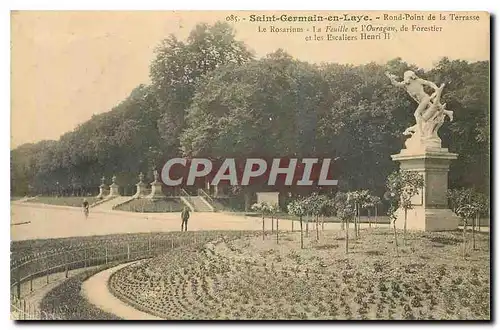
(142, 190)
(114, 190)
(156, 191)
(430, 211)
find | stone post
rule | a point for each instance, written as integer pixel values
(156, 188)
(114, 188)
(103, 189)
(141, 187)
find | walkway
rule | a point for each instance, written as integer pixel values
(49, 221)
(95, 290)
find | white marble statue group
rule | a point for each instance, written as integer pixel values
(430, 113)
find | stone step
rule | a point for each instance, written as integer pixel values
(199, 204)
(112, 203)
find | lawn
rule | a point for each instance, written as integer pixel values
(252, 278)
(63, 201)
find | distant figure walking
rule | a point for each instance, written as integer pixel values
(185, 218)
(85, 207)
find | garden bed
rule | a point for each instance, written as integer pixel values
(66, 301)
(254, 279)
(144, 205)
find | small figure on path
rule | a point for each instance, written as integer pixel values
(185, 218)
(85, 207)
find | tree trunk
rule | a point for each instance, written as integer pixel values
(376, 219)
(474, 224)
(359, 222)
(292, 225)
(317, 228)
(277, 230)
(464, 238)
(395, 237)
(355, 221)
(272, 224)
(248, 197)
(301, 234)
(404, 230)
(479, 223)
(369, 217)
(346, 236)
(263, 233)
(307, 226)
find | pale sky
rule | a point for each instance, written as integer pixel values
(67, 66)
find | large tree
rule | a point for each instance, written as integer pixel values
(467, 93)
(210, 98)
(178, 65)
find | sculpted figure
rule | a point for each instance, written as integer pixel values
(430, 113)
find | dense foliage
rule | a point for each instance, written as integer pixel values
(209, 97)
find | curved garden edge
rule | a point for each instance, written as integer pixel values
(70, 291)
(71, 298)
(129, 302)
(96, 291)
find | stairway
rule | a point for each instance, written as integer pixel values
(199, 204)
(110, 204)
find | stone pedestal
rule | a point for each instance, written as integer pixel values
(103, 191)
(430, 210)
(142, 190)
(156, 190)
(113, 191)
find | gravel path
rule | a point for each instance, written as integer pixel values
(49, 221)
(95, 290)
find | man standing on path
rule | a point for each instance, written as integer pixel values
(185, 218)
(85, 207)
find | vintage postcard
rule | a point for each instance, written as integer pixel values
(250, 165)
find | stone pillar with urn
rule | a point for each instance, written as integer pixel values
(424, 154)
(142, 190)
(103, 189)
(114, 188)
(156, 187)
